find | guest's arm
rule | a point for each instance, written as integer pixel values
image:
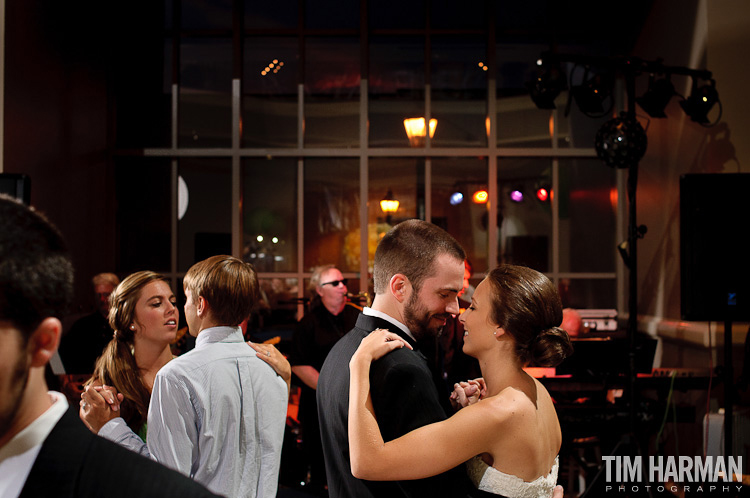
(272, 356)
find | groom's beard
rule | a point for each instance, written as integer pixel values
(421, 322)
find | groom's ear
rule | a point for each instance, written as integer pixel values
(400, 287)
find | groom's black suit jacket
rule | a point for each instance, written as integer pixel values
(75, 463)
(404, 396)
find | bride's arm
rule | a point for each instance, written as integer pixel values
(424, 452)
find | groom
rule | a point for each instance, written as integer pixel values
(418, 273)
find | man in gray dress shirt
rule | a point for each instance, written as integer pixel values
(218, 412)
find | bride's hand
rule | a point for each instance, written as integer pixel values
(377, 344)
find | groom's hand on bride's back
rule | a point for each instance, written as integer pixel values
(557, 492)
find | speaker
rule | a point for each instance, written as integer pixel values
(714, 261)
(17, 186)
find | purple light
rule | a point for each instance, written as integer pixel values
(516, 196)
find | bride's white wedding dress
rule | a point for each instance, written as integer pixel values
(491, 480)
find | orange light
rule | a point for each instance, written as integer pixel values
(389, 204)
(415, 130)
(480, 196)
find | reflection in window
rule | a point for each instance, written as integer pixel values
(269, 211)
(269, 93)
(332, 213)
(205, 93)
(275, 314)
(404, 179)
(454, 182)
(525, 222)
(206, 227)
(459, 91)
(332, 76)
(588, 204)
(396, 87)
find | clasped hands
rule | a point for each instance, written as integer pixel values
(99, 404)
(467, 393)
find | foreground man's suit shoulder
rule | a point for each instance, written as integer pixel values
(73, 462)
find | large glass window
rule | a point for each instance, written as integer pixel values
(280, 174)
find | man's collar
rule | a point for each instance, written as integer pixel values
(379, 314)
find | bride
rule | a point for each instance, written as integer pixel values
(508, 433)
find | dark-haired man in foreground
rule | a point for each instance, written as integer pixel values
(45, 450)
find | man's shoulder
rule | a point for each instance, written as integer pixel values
(75, 462)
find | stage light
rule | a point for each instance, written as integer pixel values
(656, 98)
(700, 102)
(593, 93)
(621, 142)
(516, 195)
(456, 198)
(543, 194)
(480, 197)
(547, 86)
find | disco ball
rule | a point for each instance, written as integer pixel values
(621, 142)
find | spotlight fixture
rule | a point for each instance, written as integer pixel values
(543, 193)
(592, 94)
(700, 102)
(456, 198)
(516, 195)
(655, 100)
(547, 86)
(480, 197)
(621, 142)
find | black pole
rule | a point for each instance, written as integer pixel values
(632, 259)
(728, 389)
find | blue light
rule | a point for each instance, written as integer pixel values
(456, 198)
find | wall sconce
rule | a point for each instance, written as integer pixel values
(415, 130)
(388, 204)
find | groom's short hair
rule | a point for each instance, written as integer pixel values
(411, 248)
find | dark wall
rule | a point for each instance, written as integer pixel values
(56, 124)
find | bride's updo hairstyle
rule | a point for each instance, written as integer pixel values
(117, 366)
(527, 306)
